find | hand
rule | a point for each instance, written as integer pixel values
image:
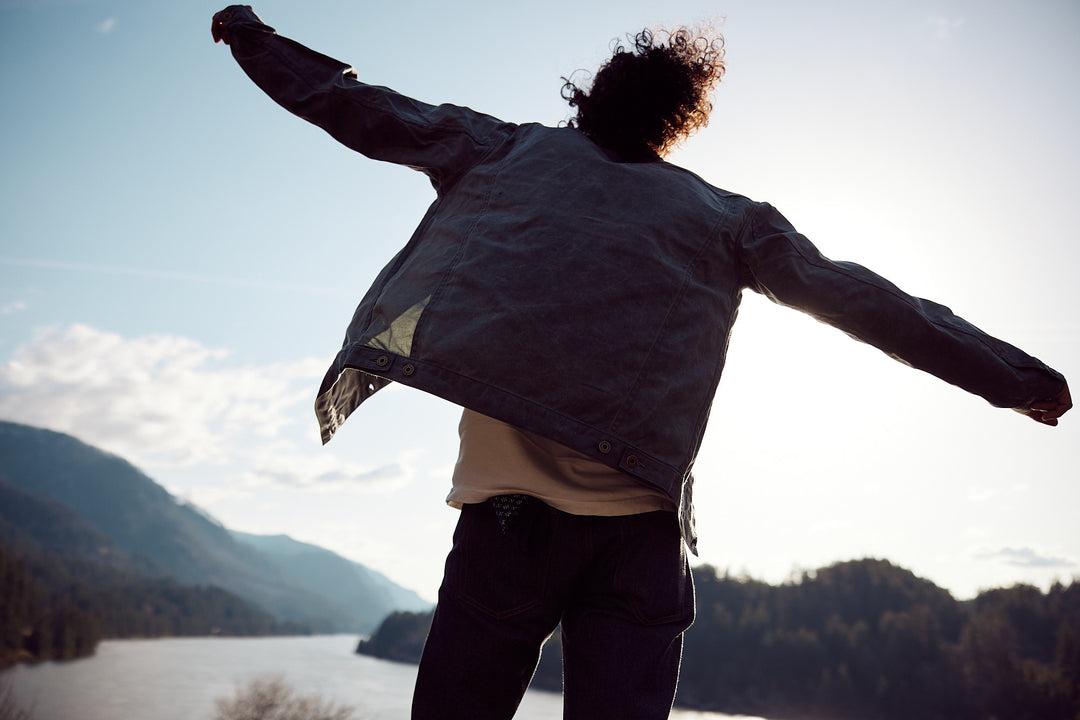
(1049, 410)
(217, 27)
(218, 30)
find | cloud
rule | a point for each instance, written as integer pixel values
(106, 26)
(1025, 557)
(289, 468)
(155, 399)
(12, 307)
(945, 26)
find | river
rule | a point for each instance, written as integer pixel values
(179, 679)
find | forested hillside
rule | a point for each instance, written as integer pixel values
(148, 525)
(56, 608)
(857, 640)
(64, 585)
(91, 547)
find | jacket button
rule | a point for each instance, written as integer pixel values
(408, 370)
(604, 447)
(632, 461)
(382, 360)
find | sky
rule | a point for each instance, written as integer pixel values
(179, 258)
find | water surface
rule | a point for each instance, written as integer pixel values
(179, 678)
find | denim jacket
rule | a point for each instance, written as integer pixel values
(582, 298)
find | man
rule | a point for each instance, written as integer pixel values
(574, 293)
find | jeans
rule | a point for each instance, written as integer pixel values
(620, 586)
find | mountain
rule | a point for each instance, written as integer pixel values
(64, 585)
(51, 526)
(63, 494)
(364, 593)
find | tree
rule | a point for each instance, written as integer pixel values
(271, 698)
(10, 708)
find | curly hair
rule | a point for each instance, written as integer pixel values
(646, 100)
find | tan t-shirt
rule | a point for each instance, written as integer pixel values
(500, 459)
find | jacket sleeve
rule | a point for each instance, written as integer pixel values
(442, 141)
(787, 268)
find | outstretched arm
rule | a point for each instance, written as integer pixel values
(786, 267)
(443, 141)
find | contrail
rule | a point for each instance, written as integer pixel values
(171, 275)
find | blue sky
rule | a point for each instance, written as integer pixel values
(179, 258)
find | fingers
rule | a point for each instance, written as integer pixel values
(1045, 420)
(1049, 410)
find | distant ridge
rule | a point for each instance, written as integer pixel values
(333, 576)
(62, 495)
